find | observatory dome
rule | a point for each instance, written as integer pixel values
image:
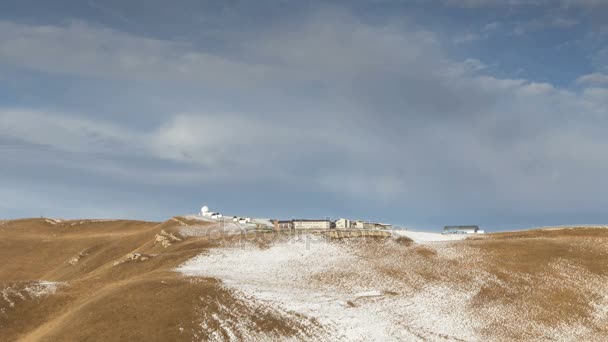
(205, 209)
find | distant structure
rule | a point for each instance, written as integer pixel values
(343, 223)
(205, 212)
(312, 224)
(359, 224)
(383, 226)
(462, 230)
(283, 225)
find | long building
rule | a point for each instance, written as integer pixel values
(359, 224)
(311, 224)
(283, 225)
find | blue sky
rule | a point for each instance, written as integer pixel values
(419, 113)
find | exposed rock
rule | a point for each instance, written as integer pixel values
(178, 221)
(133, 257)
(77, 258)
(166, 239)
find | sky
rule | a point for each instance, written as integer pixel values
(417, 113)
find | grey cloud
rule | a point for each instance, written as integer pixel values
(100, 52)
(382, 113)
(544, 23)
(593, 78)
(502, 3)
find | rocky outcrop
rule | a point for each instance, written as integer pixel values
(77, 258)
(166, 239)
(133, 257)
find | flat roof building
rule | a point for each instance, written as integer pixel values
(283, 225)
(311, 224)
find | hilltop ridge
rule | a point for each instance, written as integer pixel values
(137, 280)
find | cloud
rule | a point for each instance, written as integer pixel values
(467, 38)
(593, 78)
(333, 106)
(585, 3)
(512, 3)
(492, 26)
(63, 132)
(81, 49)
(486, 3)
(547, 22)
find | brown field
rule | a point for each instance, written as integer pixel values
(115, 280)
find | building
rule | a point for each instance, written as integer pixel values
(363, 225)
(344, 223)
(462, 230)
(283, 225)
(360, 224)
(383, 226)
(205, 212)
(311, 224)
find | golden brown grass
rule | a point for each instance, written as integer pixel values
(544, 275)
(106, 295)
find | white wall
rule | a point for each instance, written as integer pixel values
(311, 224)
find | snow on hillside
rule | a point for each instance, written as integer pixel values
(334, 285)
(12, 294)
(435, 290)
(423, 237)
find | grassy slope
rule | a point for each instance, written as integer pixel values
(140, 300)
(145, 300)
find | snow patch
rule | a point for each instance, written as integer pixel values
(292, 277)
(20, 291)
(425, 238)
(369, 294)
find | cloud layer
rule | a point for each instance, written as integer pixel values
(380, 118)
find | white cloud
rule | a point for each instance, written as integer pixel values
(390, 113)
(593, 78)
(567, 3)
(492, 26)
(535, 89)
(484, 3)
(467, 38)
(547, 22)
(100, 52)
(65, 132)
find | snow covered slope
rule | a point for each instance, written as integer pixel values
(423, 237)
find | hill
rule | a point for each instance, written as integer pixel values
(92, 280)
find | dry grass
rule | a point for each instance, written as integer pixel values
(108, 300)
(526, 285)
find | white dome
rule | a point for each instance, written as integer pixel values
(205, 209)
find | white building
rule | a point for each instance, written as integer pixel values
(311, 224)
(205, 212)
(363, 225)
(344, 223)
